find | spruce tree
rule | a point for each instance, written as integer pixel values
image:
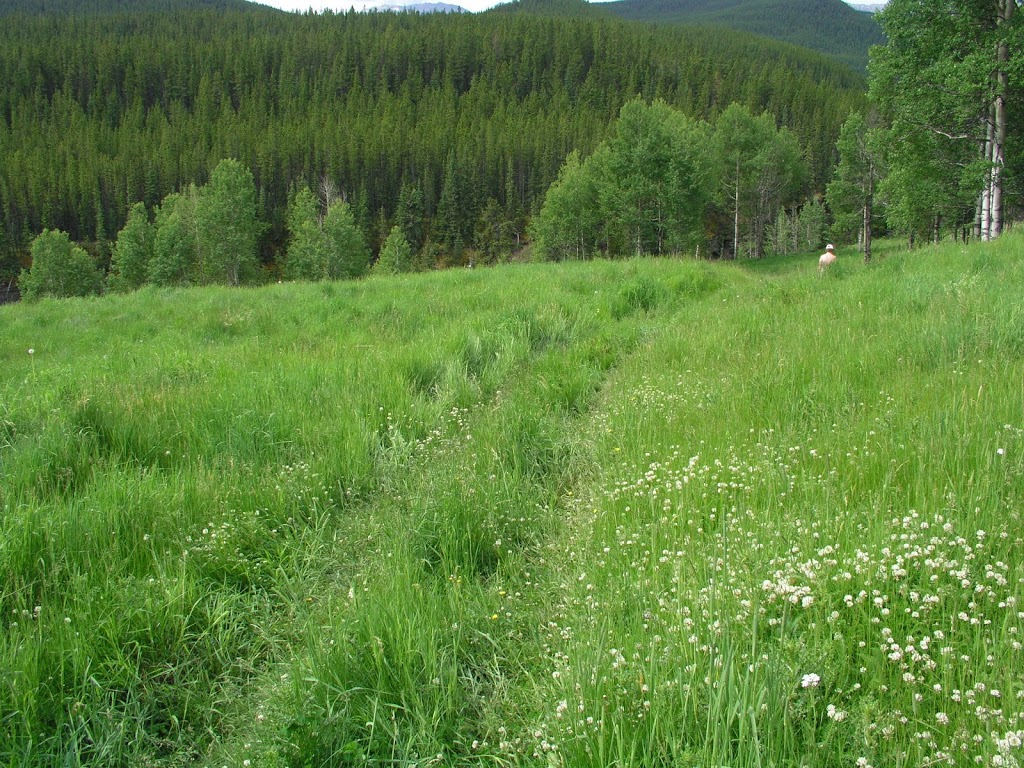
(395, 255)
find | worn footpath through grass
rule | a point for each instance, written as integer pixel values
(636, 514)
(203, 488)
(802, 546)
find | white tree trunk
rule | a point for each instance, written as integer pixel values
(1006, 11)
(736, 216)
(986, 193)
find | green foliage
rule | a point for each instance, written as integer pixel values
(103, 111)
(410, 215)
(946, 83)
(331, 249)
(645, 190)
(828, 26)
(812, 226)
(568, 226)
(130, 263)
(8, 262)
(226, 222)
(95, 7)
(760, 170)
(455, 515)
(799, 230)
(494, 232)
(308, 248)
(455, 215)
(176, 245)
(348, 256)
(59, 269)
(922, 187)
(851, 193)
(396, 255)
(654, 186)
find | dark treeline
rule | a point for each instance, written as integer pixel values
(92, 7)
(828, 26)
(100, 112)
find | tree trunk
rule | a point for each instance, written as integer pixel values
(986, 193)
(1006, 11)
(868, 202)
(977, 216)
(736, 216)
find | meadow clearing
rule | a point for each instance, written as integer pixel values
(635, 513)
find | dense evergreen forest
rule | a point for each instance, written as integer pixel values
(828, 26)
(92, 7)
(102, 111)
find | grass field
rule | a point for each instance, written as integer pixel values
(641, 513)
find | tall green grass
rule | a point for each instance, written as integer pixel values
(640, 513)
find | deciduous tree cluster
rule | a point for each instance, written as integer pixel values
(452, 128)
(941, 152)
(663, 183)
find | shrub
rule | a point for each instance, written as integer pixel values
(59, 268)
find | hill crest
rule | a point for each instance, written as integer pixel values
(830, 27)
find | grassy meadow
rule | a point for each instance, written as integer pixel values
(637, 513)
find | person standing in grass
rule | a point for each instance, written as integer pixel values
(828, 258)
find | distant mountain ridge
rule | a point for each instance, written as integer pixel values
(830, 27)
(92, 7)
(89, 7)
(827, 26)
(434, 8)
(414, 7)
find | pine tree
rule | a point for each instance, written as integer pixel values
(410, 215)
(492, 240)
(395, 255)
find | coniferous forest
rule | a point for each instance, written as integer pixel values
(827, 26)
(470, 116)
(634, 512)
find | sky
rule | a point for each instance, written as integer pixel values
(344, 5)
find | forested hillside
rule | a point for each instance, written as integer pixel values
(828, 26)
(92, 7)
(100, 112)
(558, 8)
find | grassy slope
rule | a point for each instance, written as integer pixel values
(615, 512)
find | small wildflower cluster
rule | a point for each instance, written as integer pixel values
(302, 490)
(712, 576)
